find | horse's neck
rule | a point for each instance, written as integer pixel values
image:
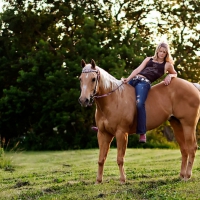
(104, 91)
(108, 91)
(105, 98)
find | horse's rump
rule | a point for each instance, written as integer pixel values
(172, 100)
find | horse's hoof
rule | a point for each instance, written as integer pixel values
(122, 180)
(185, 178)
(182, 177)
(98, 182)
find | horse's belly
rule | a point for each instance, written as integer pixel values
(157, 113)
(153, 121)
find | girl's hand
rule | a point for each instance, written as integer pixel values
(167, 79)
(124, 80)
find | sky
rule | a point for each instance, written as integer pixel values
(1, 4)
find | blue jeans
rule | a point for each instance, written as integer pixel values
(141, 90)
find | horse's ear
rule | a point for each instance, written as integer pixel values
(83, 63)
(93, 64)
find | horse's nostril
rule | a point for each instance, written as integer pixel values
(84, 101)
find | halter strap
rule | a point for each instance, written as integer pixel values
(89, 70)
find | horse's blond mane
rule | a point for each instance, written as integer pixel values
(107, 80)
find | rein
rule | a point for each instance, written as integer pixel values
(99, 96)
(107, 94)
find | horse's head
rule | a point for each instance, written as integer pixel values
(88, 82)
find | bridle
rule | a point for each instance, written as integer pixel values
(96, 83)
(93, 96)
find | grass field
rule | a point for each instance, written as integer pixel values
(151, 174)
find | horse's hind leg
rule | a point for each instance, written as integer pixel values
(104, 140)
(122, 140)
(186, 138)
(179, 135)
(191, 146)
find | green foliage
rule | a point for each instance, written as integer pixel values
(5, 160)
(41, 47)
(155, 139)
(1, 152)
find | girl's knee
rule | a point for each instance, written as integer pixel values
(139, 104)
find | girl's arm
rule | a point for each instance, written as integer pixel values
(137, 70)
(172, 73)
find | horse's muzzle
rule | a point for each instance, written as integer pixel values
(84, 101)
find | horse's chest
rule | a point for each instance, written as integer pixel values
(106, 122)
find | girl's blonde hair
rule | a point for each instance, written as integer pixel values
(168, 57)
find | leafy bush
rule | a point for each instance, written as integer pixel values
(155, 139)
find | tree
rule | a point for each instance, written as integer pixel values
(42, 45)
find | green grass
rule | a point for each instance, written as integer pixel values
(151, 174)
(4, 161)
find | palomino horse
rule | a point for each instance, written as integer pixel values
(115, 114)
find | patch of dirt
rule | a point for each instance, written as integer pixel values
(21, 184)
(66, 165)
(9, 169)
(48, 190)
(101, 195)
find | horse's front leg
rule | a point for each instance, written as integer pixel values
(104, 140)
(122, 140)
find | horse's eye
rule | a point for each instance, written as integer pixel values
(79, 78)
(93, 80)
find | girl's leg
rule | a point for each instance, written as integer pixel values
(141, 89)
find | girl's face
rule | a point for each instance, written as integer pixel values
(162, 53)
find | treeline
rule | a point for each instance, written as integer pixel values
(41, 47)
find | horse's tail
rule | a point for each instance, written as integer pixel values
(197, 85)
